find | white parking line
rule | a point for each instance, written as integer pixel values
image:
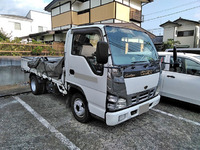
(12, 102)
(45, 123)
(177, 117)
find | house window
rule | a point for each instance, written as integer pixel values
(40, 29)
(17, 26)
(185, 33)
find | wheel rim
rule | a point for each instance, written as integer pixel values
(79, 107)
(33, 85)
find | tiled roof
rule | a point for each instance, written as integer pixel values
(158, 40)
(176, 22)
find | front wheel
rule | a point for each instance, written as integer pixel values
(79, 108)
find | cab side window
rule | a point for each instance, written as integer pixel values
(192, 67)
(180, 68)
(84, 44)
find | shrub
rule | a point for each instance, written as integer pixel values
(37, 50)
(3, 36)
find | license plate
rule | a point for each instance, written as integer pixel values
(143, 108)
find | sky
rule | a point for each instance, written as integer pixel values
(22, 7)
(155, 13)
(161, 11)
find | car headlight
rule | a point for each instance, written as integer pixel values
(115, 103)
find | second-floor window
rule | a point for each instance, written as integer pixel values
(61, 9)
(17, 26)
(185, 33)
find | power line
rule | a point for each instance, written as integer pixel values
(172, 8)
(153, 29)
(172, 13)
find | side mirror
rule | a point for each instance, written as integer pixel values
(102, 52)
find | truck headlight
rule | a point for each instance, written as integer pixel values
(115, 103)
(121, 103)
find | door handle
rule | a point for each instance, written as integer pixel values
(170, 76)
(71, 71)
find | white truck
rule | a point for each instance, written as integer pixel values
(107, 72)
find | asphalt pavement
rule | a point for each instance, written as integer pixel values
(43, 122)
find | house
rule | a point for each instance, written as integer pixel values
(187, 32)
(67, 13)
(19, 26)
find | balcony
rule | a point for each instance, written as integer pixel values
(135, 15)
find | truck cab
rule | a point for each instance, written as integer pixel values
(109, 72)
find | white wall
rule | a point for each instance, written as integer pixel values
(80, 6)
(197, 36)
(119, 1)
(169, 33)
(40, 19)
(106, 1)
(29, 25)
(136, 4)
(48, 38)
(7, 25)
(126, 2)
(95, 3)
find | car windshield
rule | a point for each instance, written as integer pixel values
(130, 47)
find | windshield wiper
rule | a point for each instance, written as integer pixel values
(136, 62)
(154, 62)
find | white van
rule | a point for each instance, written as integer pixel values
(182, 83)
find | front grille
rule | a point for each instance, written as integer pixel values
(143, 96)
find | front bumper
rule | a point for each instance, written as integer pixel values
(114, 118)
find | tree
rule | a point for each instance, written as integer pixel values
(3, 36)
(170, 44)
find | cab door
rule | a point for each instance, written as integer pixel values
(184, 82)
(83, 70)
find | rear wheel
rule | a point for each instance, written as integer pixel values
(36, 87)
(80, 108)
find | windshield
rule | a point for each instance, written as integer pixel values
(198, 57)
(129, 46)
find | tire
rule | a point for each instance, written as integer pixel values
(36, 87)
(80, 108)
